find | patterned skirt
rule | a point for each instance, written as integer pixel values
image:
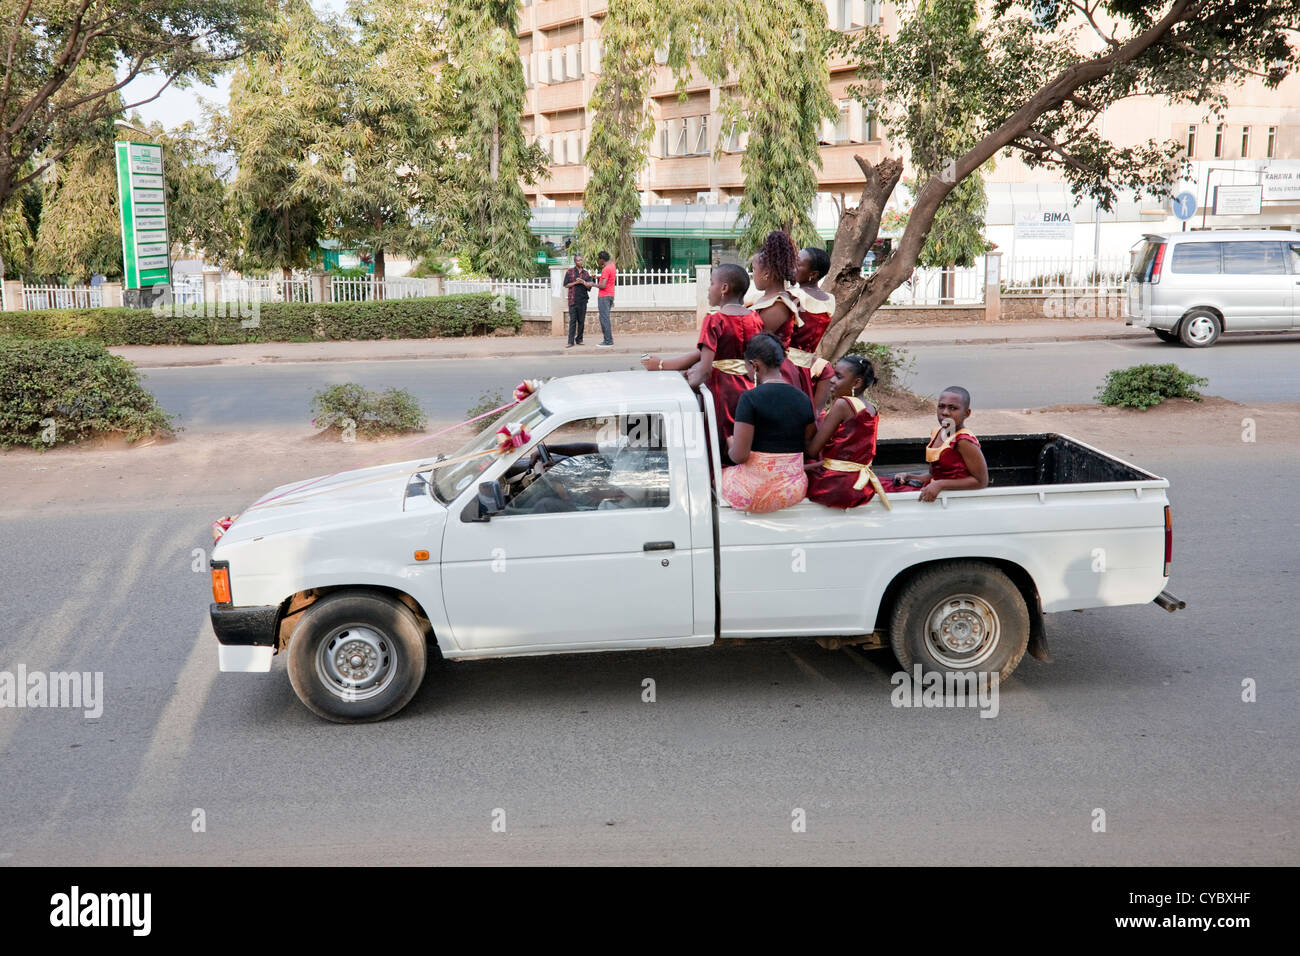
(765, 482)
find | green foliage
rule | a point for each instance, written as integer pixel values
(492, 159)
(18, 222)
(200, 215)
(1143, 386)
(620, 133)
(477, 313)
(431, 267)
(486, 402)
(66, 60)
(371, 413)
(64, 390)
(893, 364)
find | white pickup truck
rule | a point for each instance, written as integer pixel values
(605, 532)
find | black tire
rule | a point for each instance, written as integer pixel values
(1165, 336)
(387, 658)
(971, 589)
(1199, 329)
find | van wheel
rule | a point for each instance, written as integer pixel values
(1199, 328)
(356, 657)
(1164, 336)
(960, 616)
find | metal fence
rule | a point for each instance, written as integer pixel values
(369, 289)
(1043, 275)
(62, 297)
(533, 295)
(265, 290)
(655, 289)
(933, 286)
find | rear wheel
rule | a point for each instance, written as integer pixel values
(357, 657)
(960, 616)
(1199, 328)
(1164, 336)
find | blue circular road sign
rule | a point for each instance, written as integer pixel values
(1184, 205)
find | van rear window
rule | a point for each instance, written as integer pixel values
(1197, 257)
(1142, 259)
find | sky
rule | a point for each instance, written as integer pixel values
(176, 106)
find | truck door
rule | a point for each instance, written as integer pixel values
(595, 551)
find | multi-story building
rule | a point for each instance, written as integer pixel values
(690, 193)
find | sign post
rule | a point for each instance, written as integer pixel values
(142, 202)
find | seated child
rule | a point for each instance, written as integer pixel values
(956, 462)
(845, 442)
(774, 422)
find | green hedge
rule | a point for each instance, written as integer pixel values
(56, 391)
(477, 313)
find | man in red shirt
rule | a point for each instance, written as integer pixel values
(605, 296)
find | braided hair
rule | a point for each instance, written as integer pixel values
(778, 255)
(862, 369)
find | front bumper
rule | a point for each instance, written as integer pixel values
(246, 636)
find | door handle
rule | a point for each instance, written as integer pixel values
(658, 546)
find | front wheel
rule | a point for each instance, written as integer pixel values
(357, 657)
(960, 616)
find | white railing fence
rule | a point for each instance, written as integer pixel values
(61, 297)
(655, 289)
(533, 295)
(1042, 275)
(265, 290)
(959, 285)
(369, 289)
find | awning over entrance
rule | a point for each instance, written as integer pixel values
(670, 221)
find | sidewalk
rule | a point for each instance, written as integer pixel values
(488, 347)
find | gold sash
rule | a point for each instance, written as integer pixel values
(865, 476)
(731, 366)
(932, 454)
(815, 364)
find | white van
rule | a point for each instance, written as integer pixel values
(1190, 287)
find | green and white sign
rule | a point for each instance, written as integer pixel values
(141, 197)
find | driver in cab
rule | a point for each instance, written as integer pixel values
(586, 476)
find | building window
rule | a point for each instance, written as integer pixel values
(873, 12)
(842, 124)
(702, 140)
(1218, 141)
(1191, 142)
(1245, 142)
(736, 140)
(678, 141)
(1272, 142)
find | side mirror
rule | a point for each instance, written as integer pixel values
(491, 499)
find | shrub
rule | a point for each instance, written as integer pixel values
(486, 402)
(64, 390)
(372, 413)
(1143, 386)
(477, 313)
(893, 365)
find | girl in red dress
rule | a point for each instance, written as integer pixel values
(956, 462)
(814, 316)
(845, 442)
(719, 359)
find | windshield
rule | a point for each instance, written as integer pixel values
(450, 481)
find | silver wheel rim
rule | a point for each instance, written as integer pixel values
(962, 631)
(355, 662)
(1200, 329)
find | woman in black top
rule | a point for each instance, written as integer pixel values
(774, 420)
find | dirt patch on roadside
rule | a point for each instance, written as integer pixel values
(899, 401)
(227, 471)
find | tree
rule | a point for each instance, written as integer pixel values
(79, 232)
(378, 173)
(276, 102)
(777, 50)
(66, 62)
(492, 159)
(18, 221)
(769, 58)
(200, 215)
(1038, 75)
(620, 131)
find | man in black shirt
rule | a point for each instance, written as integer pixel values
(578, 282)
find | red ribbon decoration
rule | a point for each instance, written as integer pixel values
(512, 435)
(526, 388)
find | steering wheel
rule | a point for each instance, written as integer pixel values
(544, 455)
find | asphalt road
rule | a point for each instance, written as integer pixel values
(1246, 369)
(1141, 716)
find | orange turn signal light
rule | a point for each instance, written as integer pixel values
(221, 585)
(422, 555)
